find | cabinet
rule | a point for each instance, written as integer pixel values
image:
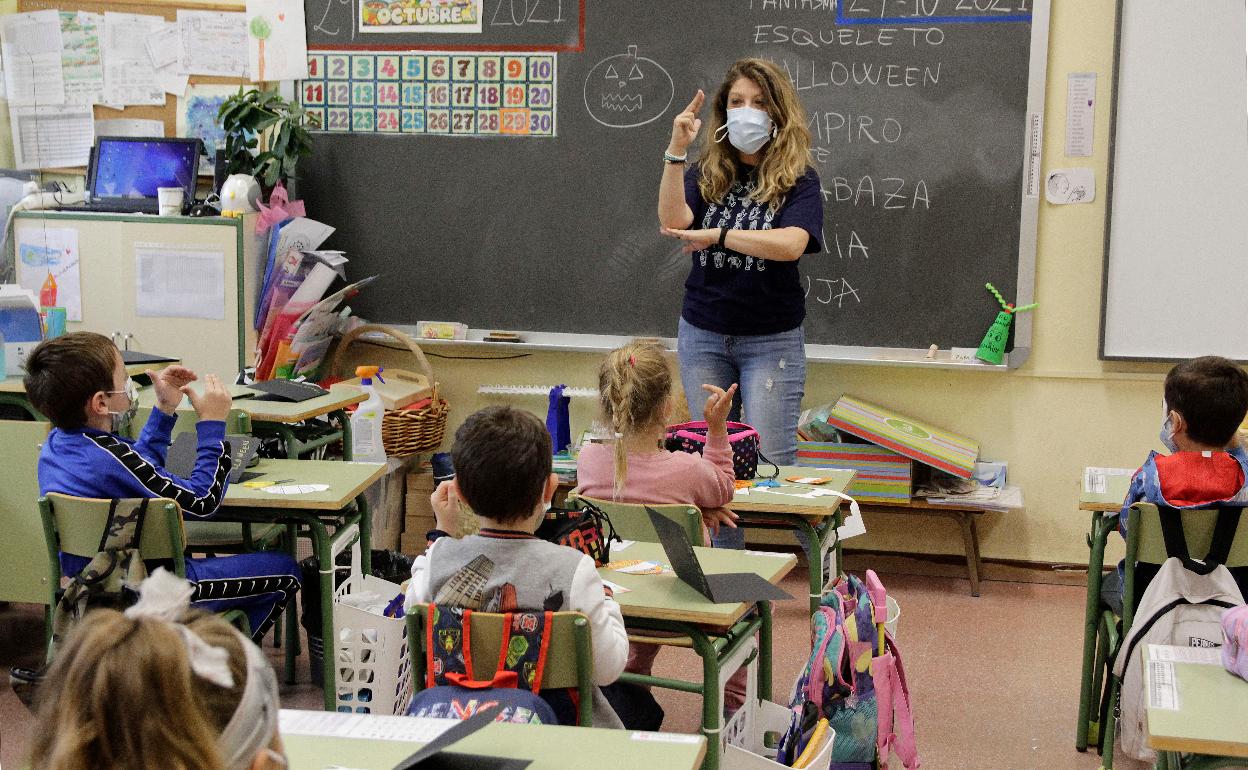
(109, 246)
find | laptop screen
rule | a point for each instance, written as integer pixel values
(134, 168)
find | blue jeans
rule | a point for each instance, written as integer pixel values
(770, 370)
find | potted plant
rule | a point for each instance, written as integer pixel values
(265, 136)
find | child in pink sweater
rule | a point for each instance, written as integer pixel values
(635, 388)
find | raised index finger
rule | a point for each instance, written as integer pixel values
(696, 104)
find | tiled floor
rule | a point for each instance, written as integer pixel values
(994, 679)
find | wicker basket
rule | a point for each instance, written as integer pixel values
(404, 432)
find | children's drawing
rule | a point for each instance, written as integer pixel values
(197, 114)
(277, 46)
(627, 90)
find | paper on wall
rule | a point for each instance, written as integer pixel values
(30, 44)
(81, 61)
(129, 77)
(198, 114)
(277, 45)
(213, 43)
(129, 127)
(1080, 113)
(179, 282)
(164, 44)
(51, 136)
(51, 250)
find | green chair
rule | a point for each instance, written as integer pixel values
(631, 521)
(569, 632)
(73, 525)
(1145, 545)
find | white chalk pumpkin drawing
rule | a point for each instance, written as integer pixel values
(627, 90)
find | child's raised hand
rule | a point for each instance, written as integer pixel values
(446, 508)
(214, 403)
(718, 404)
(168, 384)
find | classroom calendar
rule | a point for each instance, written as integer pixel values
(459, 94)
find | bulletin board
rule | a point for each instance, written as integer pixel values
(167, 114)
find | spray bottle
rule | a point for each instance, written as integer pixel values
(366, 443)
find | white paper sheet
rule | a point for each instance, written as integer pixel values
(1163, 687)
(81, 61)
(277, 45)
(303, 234)
(51, 136)
(54, 250)
(369, 726)
(169, 76)
(1205, 656)
(616, 588)
(129, 77)
(1095, 480)
(129, 127)
(179, 282)
(31, 46)
(164, 45)
(1080, 113)
(213, 43)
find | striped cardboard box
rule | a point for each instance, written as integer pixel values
(918, 441)
(881, 475)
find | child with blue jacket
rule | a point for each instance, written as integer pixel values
(1206, 401)
(80, 383)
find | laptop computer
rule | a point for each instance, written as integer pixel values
(180, 460)
(722, 588)
(125, 172)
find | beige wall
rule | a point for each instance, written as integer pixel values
(1061, 411)
(1064, 409)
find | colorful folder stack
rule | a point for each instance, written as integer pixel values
(881, 475)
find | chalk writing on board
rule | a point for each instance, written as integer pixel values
(889, 193)
(627, 90)
(834, 292)
(517, 13)
(320, 25)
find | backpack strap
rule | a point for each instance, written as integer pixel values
(1220, 547)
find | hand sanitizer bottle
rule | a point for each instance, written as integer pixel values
(366, 443)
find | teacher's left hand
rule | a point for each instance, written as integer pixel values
(695, 240)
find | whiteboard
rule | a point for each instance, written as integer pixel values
(1176, 241)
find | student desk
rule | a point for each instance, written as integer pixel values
(550, 747)
(717, 631)
(1104, 507)
(276, 418)
(13, 393)
(817, 517)
(312, 513)
(1208, 719)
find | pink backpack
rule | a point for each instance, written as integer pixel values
(1235, 644)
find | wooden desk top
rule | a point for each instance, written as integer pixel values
(549, 747)
(667, 597)
(1209, 717)
(1108, 501)
(345, 480)
(782, 499)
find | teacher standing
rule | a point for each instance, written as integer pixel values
(747, 210)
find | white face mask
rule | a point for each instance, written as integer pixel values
(748, 129)
(122, 419)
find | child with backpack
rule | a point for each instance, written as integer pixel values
(159, 685)
(635, 389)
(503, 466)
(1206, 400)
(80, 383)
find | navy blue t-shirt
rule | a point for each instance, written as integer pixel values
(728, 292)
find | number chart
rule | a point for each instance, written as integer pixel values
(458, 94)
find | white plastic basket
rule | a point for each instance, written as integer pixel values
(773, 718)
(372, 668)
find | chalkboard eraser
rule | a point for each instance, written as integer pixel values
(503, 337)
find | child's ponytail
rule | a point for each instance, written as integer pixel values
(634, 383)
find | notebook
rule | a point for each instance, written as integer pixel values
(722, 588)
(287, 390)
(125, 172)
(180, 460)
